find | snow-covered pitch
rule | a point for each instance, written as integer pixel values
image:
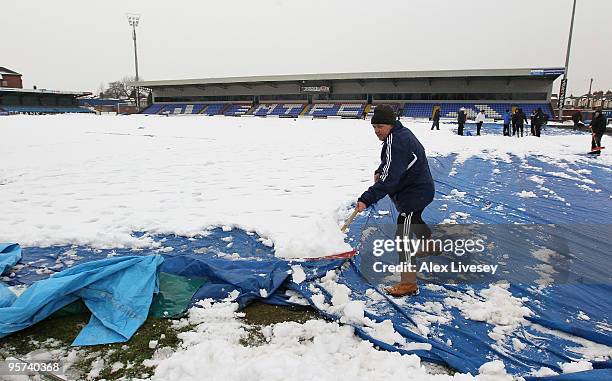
(94, 180)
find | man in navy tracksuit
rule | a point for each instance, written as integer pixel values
(404, 176)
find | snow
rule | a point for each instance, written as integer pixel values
(526, 194)
(494, 305)
(493, 371)
(588, 350)
(314, 350)
(537, 179)
(93, 180)
(96, 367)
(578, 366)
(298, 274)
(544, 371)
(116, 366)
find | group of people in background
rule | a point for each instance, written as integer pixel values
(517, 119)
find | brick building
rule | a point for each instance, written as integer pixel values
(10, 78)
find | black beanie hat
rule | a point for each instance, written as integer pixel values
(383, 114)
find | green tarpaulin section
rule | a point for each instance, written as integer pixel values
(175, 293)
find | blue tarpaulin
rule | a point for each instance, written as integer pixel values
(118, 292)
(10, 254)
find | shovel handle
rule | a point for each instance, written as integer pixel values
(349, 220)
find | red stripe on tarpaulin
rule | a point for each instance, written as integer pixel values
(345, 255)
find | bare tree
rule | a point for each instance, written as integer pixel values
(119, 89)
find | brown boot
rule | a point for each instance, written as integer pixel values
(402, 289)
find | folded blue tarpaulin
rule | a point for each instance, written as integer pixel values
(10, 254)
(262, 279)
(118, 292)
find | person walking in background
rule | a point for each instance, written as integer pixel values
(461, 118)
(436, 119)
(532, 122)
(513, 118)
(507, 120)
(520, 119)
(577, 119)
(598, 127)
(537, 121)
(480, 118)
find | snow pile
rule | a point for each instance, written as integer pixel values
(543, 372)
(494, 305)
(314, 350)
(494, 371)
(429, 313)
(578, 366)
(353, 312)
(537, 179)
(298, 274)
(526, 194)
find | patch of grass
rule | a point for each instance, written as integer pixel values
(137, 350)
(65, 328)
(259, 315)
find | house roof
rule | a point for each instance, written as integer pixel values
(4, 70)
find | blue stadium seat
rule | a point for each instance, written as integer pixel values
(153, 109)
(237, 109)
(213, 108)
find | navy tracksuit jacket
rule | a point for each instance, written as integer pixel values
(404, 173)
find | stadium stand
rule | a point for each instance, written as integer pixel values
(44, 110)
(450, 110)
(280, 109)
(237, 109)
(347, 110)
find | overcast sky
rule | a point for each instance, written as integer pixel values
(77, 45)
